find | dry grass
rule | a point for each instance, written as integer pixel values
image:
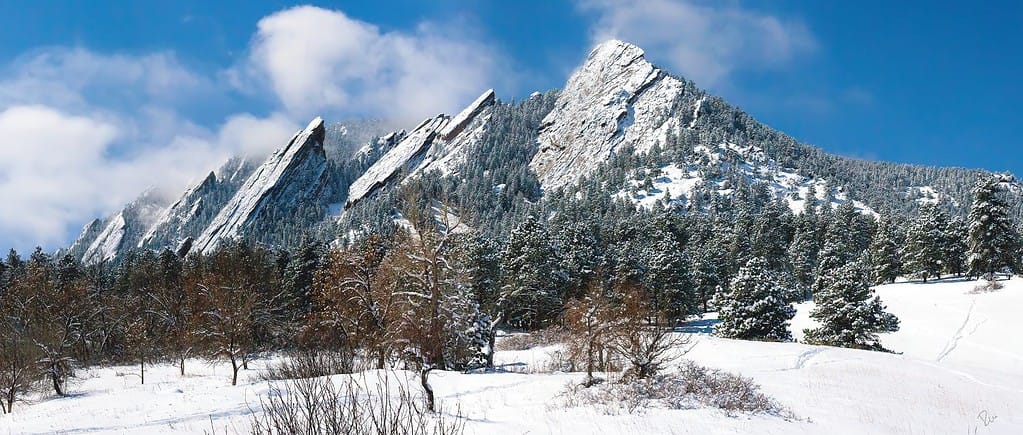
(554, 335)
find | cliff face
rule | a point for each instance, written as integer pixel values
(436, 144)
(615, 99)
(291, 176)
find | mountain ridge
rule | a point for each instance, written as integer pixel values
(615, 104)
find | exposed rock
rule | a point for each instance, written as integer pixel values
(293, 174)
(433, 145)
(616, 98)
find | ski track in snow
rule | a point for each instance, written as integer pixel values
(958, 335)
(802, 359)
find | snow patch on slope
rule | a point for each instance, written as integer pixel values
(680, 183)
(924, 195)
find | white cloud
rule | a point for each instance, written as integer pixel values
(704, 41)
(57, 170)
(322, 60)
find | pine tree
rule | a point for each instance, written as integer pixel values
(954, 246)
(924, 256)
(886, 263)
(754, 307)
(848, 316)
(531, 282)
(805, 247)
(298, 277)
(667, 280)
(993, 241)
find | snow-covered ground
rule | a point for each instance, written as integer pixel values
(960, 372)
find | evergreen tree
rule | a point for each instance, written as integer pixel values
(954, 245)
(754, 307)
(993, 242)
(924, 256)
(531, 282)
(772, 235)
(298, 277)
(805, 247)
(667, 279)
(848, 315)
(885, 261)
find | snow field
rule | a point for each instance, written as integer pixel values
(960, 371)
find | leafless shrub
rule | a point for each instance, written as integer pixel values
(723, 390)
(693, 386)
(349, 406)
(311, 364)
(990, 285)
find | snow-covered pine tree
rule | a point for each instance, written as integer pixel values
(805, 246)
(531, 282)
(667, 280)
(954, 246)
(885, 259)
(924, 256)
(849, 313)
(834, 254)
(753, 307)
(993, 242)
(772, 233)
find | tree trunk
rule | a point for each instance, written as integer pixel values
(182, 365)
(491, 342)
(142, 362)
(424, 379)
(589, 364)
(57, 388)
(234, 371)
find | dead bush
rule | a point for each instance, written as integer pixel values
(990, 285)
(693, 386)
(310, 364)
(346, 405)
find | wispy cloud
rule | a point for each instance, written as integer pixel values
(703, 40)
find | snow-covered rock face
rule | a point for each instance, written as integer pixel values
(436, 144)
(102, 240)
(107, 241)
(616, 98)
(292, 175)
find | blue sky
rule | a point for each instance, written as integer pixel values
(156, 93)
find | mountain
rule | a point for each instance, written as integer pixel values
(102, 240)
(622, 129)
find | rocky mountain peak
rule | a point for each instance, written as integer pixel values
(615, 98)
(292, 175)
